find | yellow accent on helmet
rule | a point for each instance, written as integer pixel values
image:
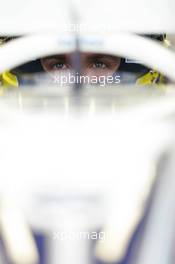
(8, 79)
(152, 77)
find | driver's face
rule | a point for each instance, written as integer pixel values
(92, 64)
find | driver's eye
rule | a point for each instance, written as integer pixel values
(59, 66)
(99, 65)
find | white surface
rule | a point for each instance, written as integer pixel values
(19, 17)
(112, 153)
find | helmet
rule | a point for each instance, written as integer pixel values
(143, 75)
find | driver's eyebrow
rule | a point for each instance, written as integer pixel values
(102, 56)
(60, 57)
